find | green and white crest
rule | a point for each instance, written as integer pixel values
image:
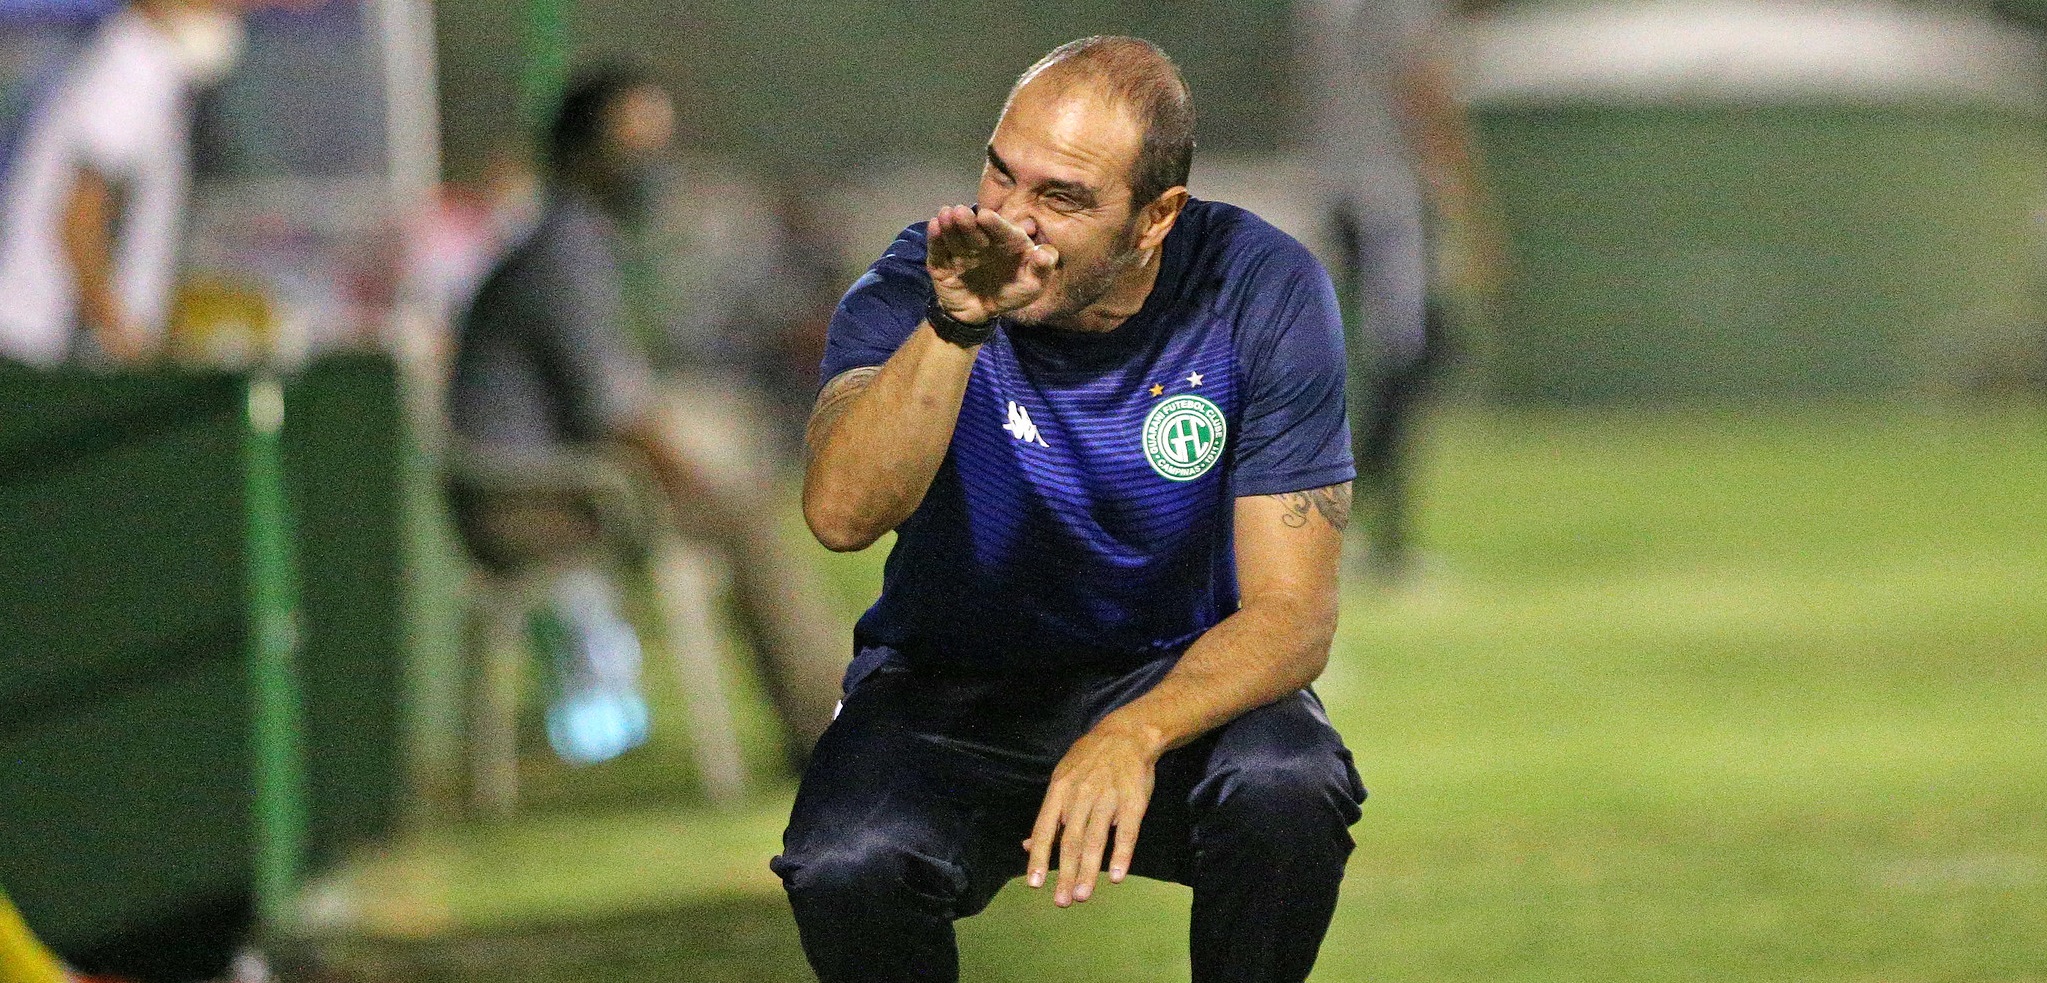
(1183, 437)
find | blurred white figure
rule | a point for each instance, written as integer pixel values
(94, 201)
(1392, 151)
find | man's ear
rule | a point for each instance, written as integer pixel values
(1160, 215)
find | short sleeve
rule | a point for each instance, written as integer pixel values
(1295, 432)
(881, 309)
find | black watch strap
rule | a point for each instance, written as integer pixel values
(954, 330)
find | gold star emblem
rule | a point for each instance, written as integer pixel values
(1194, 379)
(1157, 390)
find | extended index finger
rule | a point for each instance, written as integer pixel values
(954, 232)
(1043, 832)
(1001, 231)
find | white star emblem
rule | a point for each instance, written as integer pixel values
(1194, 378)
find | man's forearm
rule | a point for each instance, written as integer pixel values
(690, 493)
(1288, 548)
(875, 442)
(1249, 659)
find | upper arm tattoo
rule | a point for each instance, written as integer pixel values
(1331, 502)
(832, 403)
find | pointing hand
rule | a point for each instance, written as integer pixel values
(983, 265)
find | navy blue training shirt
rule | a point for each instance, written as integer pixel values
(1083, 513)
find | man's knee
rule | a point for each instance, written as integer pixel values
(1284, 797)
(866, 870)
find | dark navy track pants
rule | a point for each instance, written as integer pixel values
(915, 803)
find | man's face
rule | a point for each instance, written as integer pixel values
(206, 38)
(1059, 165)
(638, 127)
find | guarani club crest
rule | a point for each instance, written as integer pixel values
(1183, 437)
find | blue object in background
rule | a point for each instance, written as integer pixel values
(595, 710)
(45, 11)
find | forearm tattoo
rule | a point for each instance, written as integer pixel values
(1332, 503)
(831, 404)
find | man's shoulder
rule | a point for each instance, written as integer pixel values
(574, 216)
(1236, 239)
(908, 247)
(556, 261)
(1261, 281)
(571, 235)
(901, 265)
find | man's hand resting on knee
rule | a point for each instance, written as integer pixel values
(1102, 784)
(1277, 642)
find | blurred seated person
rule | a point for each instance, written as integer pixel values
(93, 197)
(545, 370)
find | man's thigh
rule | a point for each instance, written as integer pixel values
(519, 530)
(1288, 744)
(880, 790)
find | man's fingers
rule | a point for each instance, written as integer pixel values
(1096, 841)
(982, 264)
(954, 233)
(1003, 233)
(1037, 267)
(1042, 260)
(1042, 834)
(939, 245)
(1127, 822)
(971, 229)
(1075, 823)
(961, 233)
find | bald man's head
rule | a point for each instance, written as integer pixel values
(1134, 74)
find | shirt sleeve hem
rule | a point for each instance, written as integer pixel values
(1293, 481)
(831, 373)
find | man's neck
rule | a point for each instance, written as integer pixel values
(582, 189)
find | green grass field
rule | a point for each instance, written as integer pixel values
(1711, 697)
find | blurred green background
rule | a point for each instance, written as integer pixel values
(1675, 244)
(819, 87)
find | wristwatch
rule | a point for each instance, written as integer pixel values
(954, 330)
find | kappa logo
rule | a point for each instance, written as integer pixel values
(1021, 427)
(1184, 437)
